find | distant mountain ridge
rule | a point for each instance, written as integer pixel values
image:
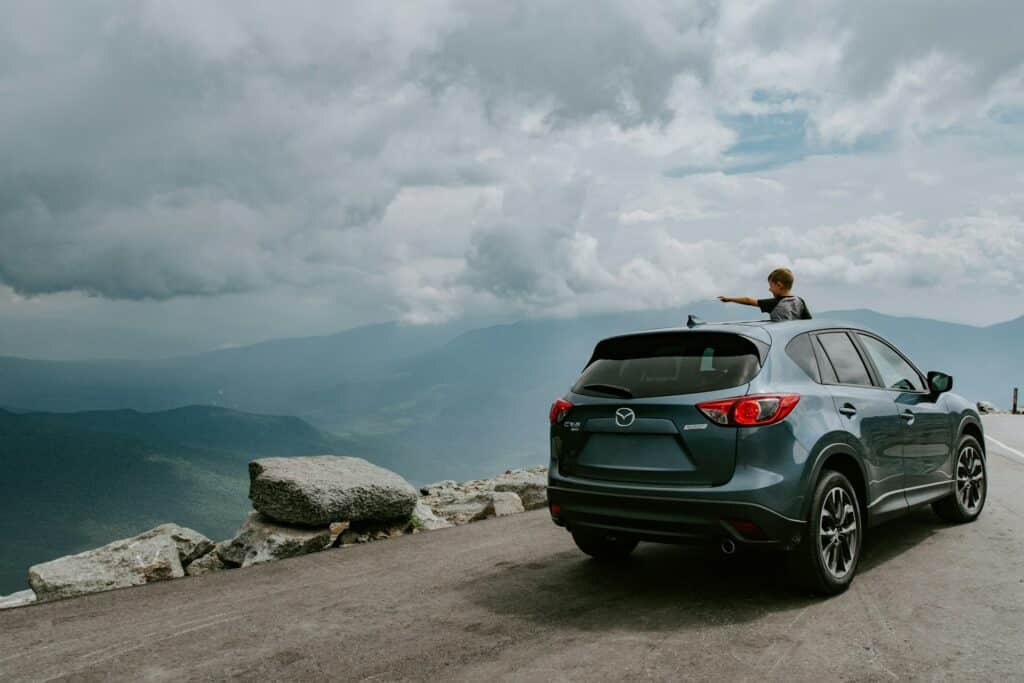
(442, 401)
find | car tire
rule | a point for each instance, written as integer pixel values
(604, 546)
(970, 484)
(826, 560)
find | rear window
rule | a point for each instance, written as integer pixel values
(799, 349)
(666, 364)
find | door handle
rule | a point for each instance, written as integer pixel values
(848, 410)
(908, 416)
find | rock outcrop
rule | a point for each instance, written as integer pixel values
(317, 490)
(262, 540)
(303, 505)
(154, 555)
(470, 501)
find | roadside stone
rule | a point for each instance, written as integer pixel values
(426, 520)
(317, 490)
(462, 509)
(260, 540)
(25, 597)
(207, 564)
(531, 485)
(190, 543)
(127, 562)
(505, 503)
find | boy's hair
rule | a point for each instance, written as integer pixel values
(783, 276)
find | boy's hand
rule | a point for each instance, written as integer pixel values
(725, 299)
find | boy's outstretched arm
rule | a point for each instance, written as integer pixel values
(738, 300)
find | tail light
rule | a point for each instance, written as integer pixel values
(750, 411)
(559, 409)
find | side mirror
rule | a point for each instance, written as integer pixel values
(939, 382)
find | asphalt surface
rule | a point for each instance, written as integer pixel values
(512, 599)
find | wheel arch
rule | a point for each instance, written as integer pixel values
(842, 457)
(971, 426)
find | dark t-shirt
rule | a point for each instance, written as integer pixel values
(785, 308)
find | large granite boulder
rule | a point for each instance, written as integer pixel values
(25, 597)
(317, 490)
(127, 562)
(262, 540)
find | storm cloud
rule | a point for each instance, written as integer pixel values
(433, 159)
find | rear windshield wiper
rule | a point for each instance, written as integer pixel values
(610, 389)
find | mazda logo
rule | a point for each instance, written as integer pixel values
(624, 417)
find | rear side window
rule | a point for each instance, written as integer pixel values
(799, 349)
(845, 359)
(670, 363)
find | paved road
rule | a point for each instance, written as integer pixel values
(512, 599)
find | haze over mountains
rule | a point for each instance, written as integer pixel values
(430, 402)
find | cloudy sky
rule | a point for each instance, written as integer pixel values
(181, 175)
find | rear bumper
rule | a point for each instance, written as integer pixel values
(671, 519)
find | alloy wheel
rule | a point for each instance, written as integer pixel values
(838, 538)
(970, 478)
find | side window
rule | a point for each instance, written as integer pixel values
(896, 373)
(799, 349)
(847, 362)
(828, 373)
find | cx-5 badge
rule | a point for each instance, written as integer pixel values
(624, 417)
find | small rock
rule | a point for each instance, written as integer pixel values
(208, 563)
(260, 540)
(191, 544)
(505, 503)
(25, 597)
(462, 509)
(531, 485)
(425, 518)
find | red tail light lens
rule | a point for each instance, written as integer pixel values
(750, 411)
(559, 409)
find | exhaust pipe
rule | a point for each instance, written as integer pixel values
(728, 546)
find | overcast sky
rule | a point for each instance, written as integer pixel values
(184, 175)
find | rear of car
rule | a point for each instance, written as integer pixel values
(647, 444)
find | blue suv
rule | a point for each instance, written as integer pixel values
(792, 435)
